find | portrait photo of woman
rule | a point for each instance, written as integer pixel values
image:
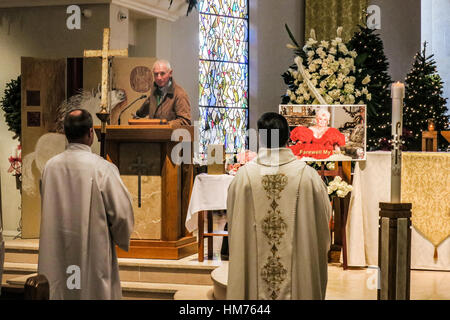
(318, 138)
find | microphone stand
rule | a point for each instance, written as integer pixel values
(120, 114)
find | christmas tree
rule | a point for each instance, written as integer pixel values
(373, 63)
(423, 101)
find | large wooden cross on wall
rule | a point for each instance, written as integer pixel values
(105, 54)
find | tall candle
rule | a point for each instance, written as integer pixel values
(397, 94)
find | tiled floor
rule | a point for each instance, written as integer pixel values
(360, 284)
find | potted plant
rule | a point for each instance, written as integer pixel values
(11, 105)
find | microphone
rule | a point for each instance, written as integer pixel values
(140, 98)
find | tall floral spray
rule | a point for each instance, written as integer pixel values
(324, 73)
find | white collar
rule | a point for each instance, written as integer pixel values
(78, 147)
(275, 157)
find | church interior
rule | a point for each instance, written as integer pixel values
(236, 60)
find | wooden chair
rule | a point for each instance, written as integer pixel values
(209, 234)
(340, 208)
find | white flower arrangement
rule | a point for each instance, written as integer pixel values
(338, 188)
(330, 165)
(330, 67)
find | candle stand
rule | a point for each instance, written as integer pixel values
(394, 251)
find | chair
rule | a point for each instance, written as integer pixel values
(208, 234)
(340, 208)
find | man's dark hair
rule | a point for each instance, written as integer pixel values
(77, 125)
(274, 125)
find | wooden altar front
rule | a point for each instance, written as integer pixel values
(159, 187)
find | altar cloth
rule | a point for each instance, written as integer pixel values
(421, 181)
(208, 193)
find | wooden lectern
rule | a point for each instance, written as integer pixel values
(133, 147)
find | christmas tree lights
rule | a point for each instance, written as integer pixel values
(423, 101)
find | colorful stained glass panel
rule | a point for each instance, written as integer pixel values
(223, 73)
(233, 8)
(223, 84)
(226, 126)
(223, 50)
(223, 27)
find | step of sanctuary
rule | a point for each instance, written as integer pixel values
(22, 251)
(13, 270)
(141, 278)
(137, 290)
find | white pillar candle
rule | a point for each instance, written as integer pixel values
(397, 94)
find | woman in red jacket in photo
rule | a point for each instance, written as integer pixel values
(319, 141)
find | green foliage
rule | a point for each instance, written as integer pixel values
(11, 105)
(423, 101)
(372, 61)
(291, 35)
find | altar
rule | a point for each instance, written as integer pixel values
(209, 192)
(425, 184)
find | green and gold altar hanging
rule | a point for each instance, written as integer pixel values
(325, 16)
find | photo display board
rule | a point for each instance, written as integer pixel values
(326, 132)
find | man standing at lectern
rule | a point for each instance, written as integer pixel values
(167, 99)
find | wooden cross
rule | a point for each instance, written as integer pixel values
(105, 54)
(140, 167)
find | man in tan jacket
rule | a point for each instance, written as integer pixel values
(167, 99)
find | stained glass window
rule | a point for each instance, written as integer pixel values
(229, 8)
(223, 73)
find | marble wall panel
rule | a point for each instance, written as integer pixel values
(147, 217)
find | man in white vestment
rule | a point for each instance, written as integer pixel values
(278, 213)
(86, 210)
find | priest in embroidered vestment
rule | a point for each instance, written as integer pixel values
(86, 211)
(278, 212)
